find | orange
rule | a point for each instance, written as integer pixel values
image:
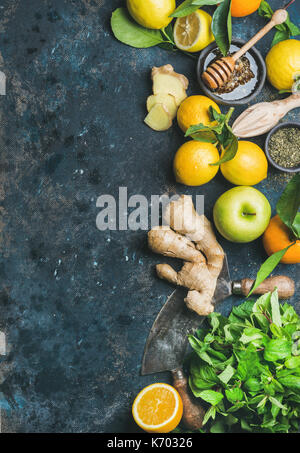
(195, 110)
(241, 8)
(277, 237)
(191, 163)
(158, 408)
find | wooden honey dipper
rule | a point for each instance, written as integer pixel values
(220, 71)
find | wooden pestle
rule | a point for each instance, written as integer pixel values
(219, 72)
(262, 117)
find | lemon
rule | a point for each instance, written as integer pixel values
(283, 64)
(194, 110)
(248, 167)
(152, 13)
(191, 163)
(193, 32)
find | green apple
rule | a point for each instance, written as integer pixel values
(242, 214)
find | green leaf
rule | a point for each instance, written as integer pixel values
(296, 225)
(211, 397)
(277, 349)
(289, 202)
(230, 151)
(290, 382)
(280, 36)
(293, 362)
(276, 317)
(211, 413)
(189, 6)
(265, 10)
(234, 395)
(129, 32)
(253, 385)
(267, 267)
(222, 27)
(294, 29)
(227, 374)
(277, 403)
(218, 427)
(242, 311)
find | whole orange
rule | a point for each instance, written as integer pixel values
(241, 8)
(277, 237)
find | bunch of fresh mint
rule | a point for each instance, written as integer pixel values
(246, 368)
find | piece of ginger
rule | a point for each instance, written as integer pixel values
(187, 237)
(158, 118)
(166, 80)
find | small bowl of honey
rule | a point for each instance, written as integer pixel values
(246, 81)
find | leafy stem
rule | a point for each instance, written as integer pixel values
(218, 132)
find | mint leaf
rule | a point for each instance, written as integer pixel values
(131, 33)
(280, 36)
(265, 10)
(227, 374)
(276, 317)
(211, 397)
(277, 349)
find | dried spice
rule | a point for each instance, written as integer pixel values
(284, 147)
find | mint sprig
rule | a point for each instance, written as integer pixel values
(219, 133)
(284, 31)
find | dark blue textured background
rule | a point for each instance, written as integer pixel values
(76, 303)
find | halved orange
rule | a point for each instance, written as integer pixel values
(157, 408)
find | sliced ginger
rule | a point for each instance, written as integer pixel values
(158, 118)
(169, 90)
(166, 80)
(167, 100)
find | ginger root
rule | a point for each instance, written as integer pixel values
(166, 80)
(188, 236)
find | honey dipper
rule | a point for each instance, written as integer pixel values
(220, 71)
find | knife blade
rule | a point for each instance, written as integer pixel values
(167, 341)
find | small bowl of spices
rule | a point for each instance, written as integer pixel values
(283, 147)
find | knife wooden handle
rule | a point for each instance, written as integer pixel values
(285, 286)
(193, 413)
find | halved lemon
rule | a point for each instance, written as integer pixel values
(193, 32)
(157, 408)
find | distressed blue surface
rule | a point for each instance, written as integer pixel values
(76, 303)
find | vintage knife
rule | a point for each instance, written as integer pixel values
(167, 341)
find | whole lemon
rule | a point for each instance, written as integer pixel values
(194, 110)
(152, 13)
(248, 167)
(191, 163)
(283, 64)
